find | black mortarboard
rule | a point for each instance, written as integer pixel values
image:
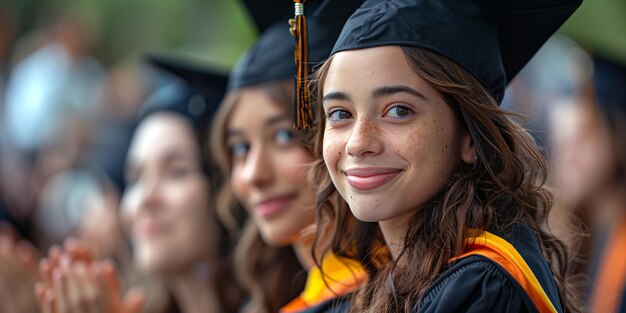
(609, 79)
(272, 56)
(192, 90)
(267, 12)
(492, 39)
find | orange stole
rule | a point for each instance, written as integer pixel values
(341, 276)
(503, 253)
(607, 294)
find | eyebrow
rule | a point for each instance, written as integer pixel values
(233, 133)
(389, 90)
(335, 95)
(173, 155)
(272, 120)
(134, 167)
(377, 93)
(276, 119)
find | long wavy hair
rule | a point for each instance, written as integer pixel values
(271, 276)
(505, 186)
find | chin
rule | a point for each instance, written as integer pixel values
(365, 214)
(154, 258)
(375, 210)
(275, 239)
(149, 263)
(364, 208)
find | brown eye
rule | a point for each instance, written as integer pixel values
(399, 111)
(339, 114)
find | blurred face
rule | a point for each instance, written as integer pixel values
(269, 169)
(166, 201)
(583, 143)
(390, 141)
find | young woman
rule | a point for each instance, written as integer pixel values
(443, 197)
(595, 146)
(265, 163)
(167, 208)
(605, 185)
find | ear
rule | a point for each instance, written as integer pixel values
(468, 150)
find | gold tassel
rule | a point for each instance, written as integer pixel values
(303, 110)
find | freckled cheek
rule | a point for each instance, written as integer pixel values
(333, 151)
(415, 146)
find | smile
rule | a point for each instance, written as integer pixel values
(370, 178)
(149, 227)
(273, 205)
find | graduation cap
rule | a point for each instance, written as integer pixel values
(491, 39)
(192, 90)
(272, 56)
(609, 80)
(267, 12)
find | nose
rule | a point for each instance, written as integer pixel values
(149, 195)
(364, 139)
(258, 169)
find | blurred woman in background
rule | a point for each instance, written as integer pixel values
(265, 163)
(590, 176)
(166, 208)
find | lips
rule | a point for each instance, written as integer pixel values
(370, 178)
(149, 227)
(274, 205)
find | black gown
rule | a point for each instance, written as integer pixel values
(478, 284)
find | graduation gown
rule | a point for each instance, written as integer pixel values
(497, 273)
(609, 283)
(328, 290)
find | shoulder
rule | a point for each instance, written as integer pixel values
(474, 284)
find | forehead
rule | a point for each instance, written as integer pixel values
(253, 109)
(370, 66)
(161, 133)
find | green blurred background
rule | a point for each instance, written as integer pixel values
(215, 29)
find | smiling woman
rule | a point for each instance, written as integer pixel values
(259, 142)
(165, 202)
(442, 194)
(401, 140)
(169, 205)
(167, 209)
(265, 170)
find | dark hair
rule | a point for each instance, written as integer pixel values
(505, 186)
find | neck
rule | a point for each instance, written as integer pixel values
(302, 247)
(194, 290)
(394, 231)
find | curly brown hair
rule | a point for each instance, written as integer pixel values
(504, 187)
